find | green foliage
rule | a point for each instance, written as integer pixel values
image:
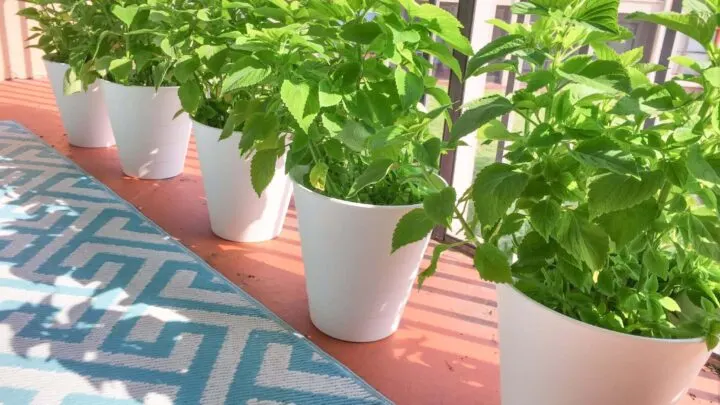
(606, 202)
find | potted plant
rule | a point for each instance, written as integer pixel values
(362, 155)
(602, 220)
(231, 87)
(61, 26)
(135, 57)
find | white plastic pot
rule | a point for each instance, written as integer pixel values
(357, 289)
(83, 114)
(236, 212)
(547, 358)
(151, 144)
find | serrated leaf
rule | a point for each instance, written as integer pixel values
(318, 175)
(354, 136)
(410, 87)
(251, 72)
(185, 68)
(699, 167)
(582, 239)
(412, 227)
(655, 262)
(603, 153)
(578, 276)
(444, 24)
(624, 226)
(687, 62)
(376, 171)
(302, 102)
(120, 68)
(712, 76)
(492, 264)
(602, 14)
(495, 188)
(260, 127)
(495, 130)
(439, 206)
(327, 96)
(262, 169)
(544, 217)
(613, 192)
(603, 75)
(361, 32)
(444, 55)
(497, 49)
(191, 96)
(690, 24)
(485, 110)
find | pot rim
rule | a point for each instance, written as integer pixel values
(522, 295)
(44, 58)
(196, 122)
(103, 80)
(354, 204)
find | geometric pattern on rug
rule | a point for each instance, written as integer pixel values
(98, 305)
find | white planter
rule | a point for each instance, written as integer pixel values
(83, 114)
(236, 212)
(151, 144)
(357, 290)
(547, 358)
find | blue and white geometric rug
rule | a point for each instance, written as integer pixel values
(100, 306)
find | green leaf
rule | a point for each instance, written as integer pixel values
(492, 264)
(376, 171)
(261, 126)
(602, 14)
(185, 68)
(655, 262)
(669, 304)
(191, 96)
(495, 188)
(687, 62)
(412, 227)
(486, 109)
(578, 276)
(126, 14)
(624, 226)
(410, 87)
(432, 149)
(712, 76)
(497, 49)
(690, 24)
(251, 73)
(604, 75)
(361, 32)
(301, 101)
(444, 24)
(699, 167)
(495, 130)
(613, 192)
(702, 233)
(603, 153)
(327, 96)
(440, 206)
(318, 175)
(583, 239)
(120, 68)
(444, 55)
(544, 217)
(354, 136)
(432, 267)
(262, 169)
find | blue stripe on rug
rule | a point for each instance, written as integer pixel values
(98, 305)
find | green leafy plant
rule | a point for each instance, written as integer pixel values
(605, 207)
(357, 124)
(232, 74)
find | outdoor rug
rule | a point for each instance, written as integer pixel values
(99, 306)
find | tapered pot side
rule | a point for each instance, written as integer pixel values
(236, 211)
(547, 358)
(151, 143)
(84, 114)
(357, 289)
